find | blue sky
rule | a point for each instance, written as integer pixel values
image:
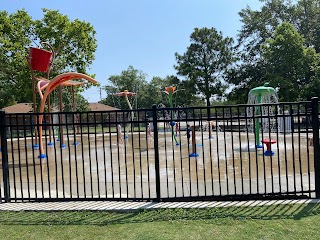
(142, 33)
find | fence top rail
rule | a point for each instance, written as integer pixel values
(124, 111)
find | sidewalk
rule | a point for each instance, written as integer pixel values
(137, 206)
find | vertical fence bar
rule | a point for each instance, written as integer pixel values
(232, 144)
(299, 144)
(239, 118)
(307, 118)
(10, 135)
(315, 129)
(156, 151)
(294, 153)
(4, 151)
(219, 167)
(25, 126)
(148, 139)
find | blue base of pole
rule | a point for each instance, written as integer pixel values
(50, 144)
(42, 155)
(36, 146)
(126, 137)
(269, 153)
(76, 143)
(194, 155)
(197, 144)
(58, 140)
(177, 144)
(63, 146)
(259, 146)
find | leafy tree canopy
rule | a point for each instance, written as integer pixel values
(74, 43)
(278, 43)
(205, 62)
(259, 25)
(289, 64)
(131, 80)
(147, 93)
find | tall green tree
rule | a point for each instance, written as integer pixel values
(182, 98)
(306, 19)
(244, 77)
(6, 97)
(257, 27)
(81, 104)
(289, 64)
(132, 80)
(205, 62)
(260, 25)
(15, 35)
(73, 41)
(148, 93)
(153, 92)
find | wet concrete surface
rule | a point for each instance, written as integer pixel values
(99, 167)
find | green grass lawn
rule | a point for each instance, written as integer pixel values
(299, 221)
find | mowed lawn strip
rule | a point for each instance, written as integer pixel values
(296, 221)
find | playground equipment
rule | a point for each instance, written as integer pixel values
(261, 117)
(268, 143)
(193, 142)
(42, 84)
(127, 94)
(170, 91)
(60, 80)
(41, 60)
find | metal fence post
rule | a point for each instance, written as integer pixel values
(209, 122)
(156, 151)
(315, 129)
(4, 151)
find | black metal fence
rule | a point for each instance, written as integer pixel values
(240, 152)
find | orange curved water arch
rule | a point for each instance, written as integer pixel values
(64, 79)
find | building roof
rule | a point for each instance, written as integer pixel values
(27, 108)
(101, 107)
(19, 108)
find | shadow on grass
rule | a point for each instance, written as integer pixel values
(217, 214)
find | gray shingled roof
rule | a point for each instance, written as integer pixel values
(27, 107)
(101, 107)
(19, 108)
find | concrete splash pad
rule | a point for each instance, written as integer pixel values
(100, 168)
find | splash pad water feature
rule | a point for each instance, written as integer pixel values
(170, 91)
(41, 61)
(127, 94)
(126, 169)
(261, 118)
(99, 167)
